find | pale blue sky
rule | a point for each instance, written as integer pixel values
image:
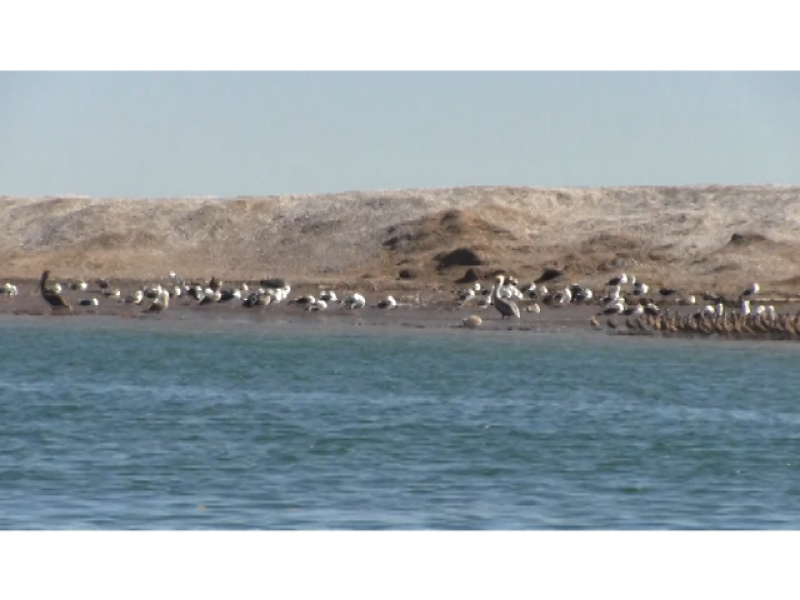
(227, 134)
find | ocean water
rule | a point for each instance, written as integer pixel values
(152, 425)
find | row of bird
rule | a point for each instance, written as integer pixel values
(273, 291)
(621, 295)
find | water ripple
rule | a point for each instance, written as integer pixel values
(142, 429)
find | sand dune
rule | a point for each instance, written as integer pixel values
(701, 237)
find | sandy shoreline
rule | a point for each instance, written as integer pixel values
(187, 315)
(417, 245)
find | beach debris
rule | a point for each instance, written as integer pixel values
(471, 322)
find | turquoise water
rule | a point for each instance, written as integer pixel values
(165, 426)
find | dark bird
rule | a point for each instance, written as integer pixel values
(53, 298)
(667, 292)
(273, 282)
(215, 284)
(550, 275)
(303, 301)
(227, 295)
(507, 308)
(620, 280)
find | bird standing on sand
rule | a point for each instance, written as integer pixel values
(388, 302)
(507, 308)
(161, 303)
(52, 297)
(752, 290)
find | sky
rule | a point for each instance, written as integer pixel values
(171, 134)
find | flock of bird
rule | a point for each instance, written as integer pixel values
(272, 291)
(645, 311)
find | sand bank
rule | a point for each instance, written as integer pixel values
(694, 238)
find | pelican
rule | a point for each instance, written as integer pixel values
(51, 296)
(507, 308)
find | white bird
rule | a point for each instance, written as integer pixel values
(744, 308)
(161, 302)
(9, 289)
(318, 305)
(752, 290)
(618, 281)
(388, 302)
(466, 295)
(354, 302)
